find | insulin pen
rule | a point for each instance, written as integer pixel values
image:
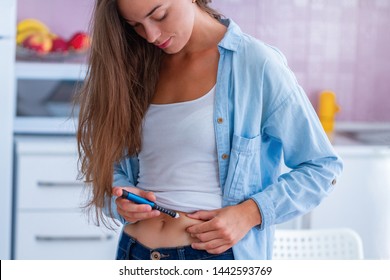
(140, 200)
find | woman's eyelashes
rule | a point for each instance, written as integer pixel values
(161, 18)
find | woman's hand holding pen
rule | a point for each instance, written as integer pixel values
(224, 227)
(131, 211)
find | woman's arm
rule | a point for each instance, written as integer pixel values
(125, 177)
(314, 164)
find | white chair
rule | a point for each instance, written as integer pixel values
(319, 244)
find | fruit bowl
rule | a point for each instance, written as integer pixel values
(35, 41)
(26, 54)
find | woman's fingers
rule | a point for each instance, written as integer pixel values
(135, 212)
(131, 211)
(215, 246)
(137, 216)
(117, 191)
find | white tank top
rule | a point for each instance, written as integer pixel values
(178, 160)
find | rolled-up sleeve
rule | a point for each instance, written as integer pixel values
(307, 151)
(294, 125)
(125, 174)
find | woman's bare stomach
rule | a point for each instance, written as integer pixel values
(163, 231)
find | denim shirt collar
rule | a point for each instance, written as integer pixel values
(231, 40)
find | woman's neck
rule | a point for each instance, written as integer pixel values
(206, 35)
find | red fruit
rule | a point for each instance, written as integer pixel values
(39, 42)
(59, 45)
(80, 41)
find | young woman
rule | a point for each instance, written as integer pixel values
(182, 108)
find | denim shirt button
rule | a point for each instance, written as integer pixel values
(220, 120)
(155, 255)
(225, 156)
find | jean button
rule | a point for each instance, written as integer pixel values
(155, 255)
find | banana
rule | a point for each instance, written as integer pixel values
(53, 35)
(30, 23)
(20, 37)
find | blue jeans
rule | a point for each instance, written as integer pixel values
(130, 249)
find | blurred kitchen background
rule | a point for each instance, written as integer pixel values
(340, 46)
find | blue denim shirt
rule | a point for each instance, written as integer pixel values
(262, 117)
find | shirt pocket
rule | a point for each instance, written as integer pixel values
(244, 169)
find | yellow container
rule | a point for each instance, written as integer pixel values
(327, 109)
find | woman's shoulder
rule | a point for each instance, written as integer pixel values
(260, 51)
(268, 65)
(249, 48)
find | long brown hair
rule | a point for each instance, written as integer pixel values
(122, 73)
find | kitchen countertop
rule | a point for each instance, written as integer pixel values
(362, 134)
(362, 137)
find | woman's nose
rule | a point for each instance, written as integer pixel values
(152, 33)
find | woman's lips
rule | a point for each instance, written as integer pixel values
(165, 44)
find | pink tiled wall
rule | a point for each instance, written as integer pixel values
(341, 45)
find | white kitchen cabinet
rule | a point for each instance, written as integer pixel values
(49, 220)
(49, 184)
(61, 235)
(34, 192)
(7, 108)
(360, 200)
(8, 17)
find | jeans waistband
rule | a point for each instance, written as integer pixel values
(129, 248)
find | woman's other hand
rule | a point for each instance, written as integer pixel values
(224, 227)
(131, 211)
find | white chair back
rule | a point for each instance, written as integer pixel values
(319, 244)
